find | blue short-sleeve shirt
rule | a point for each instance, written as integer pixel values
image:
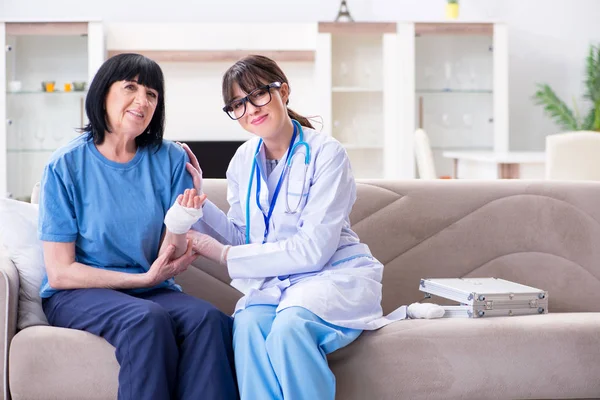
(114, 212)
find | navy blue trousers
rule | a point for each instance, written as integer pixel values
(169, 345)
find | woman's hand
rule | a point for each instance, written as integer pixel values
(191, 199)
(166, 268)
(184, 213)
(208, 247)
(193, 167)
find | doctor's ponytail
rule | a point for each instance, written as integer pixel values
(303, 120)
(251, 72)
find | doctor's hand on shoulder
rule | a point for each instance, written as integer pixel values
(193, 167)
(208, 247)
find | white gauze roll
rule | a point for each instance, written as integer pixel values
(425, 311)
(180, 219)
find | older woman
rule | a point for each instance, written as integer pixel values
(104, 199)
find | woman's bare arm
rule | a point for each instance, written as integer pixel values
(65, 273)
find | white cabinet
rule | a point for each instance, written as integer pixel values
(41, 104)
(379, 82)
(457, 89)
(353, 86)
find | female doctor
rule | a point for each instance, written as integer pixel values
(310, 287)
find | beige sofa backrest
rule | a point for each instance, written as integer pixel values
(542, 234)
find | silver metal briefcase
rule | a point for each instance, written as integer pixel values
(486, 297)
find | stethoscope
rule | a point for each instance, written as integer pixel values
(288, 162)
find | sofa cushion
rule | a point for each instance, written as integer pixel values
(540, 356)
(18, 234)
(69, 364)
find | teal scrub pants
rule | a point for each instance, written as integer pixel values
(283, 355)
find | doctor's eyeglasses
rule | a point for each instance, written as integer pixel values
(259, 97)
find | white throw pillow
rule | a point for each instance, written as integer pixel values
(18, 234)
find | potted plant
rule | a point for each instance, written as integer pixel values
(452, 9)
(561, 114)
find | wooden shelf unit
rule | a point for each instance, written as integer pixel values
(449, 28)
(219, 55)
(360, 28)
(46, 28)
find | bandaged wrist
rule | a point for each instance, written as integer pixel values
(180, 219)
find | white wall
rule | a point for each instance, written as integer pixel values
(548, 38)
(199, 115)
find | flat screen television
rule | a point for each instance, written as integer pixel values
(214, 156)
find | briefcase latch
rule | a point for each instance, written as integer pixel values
(489, 305)
(533, 304)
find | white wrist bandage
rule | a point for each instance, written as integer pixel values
(180, 219)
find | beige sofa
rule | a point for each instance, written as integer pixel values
(544, 234)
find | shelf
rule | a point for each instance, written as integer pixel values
(357, 27)
(350, 146)
(219, 55)
(46, 28)
(355, 89)
(454, 28)
(454, 91)
(27, 92)
(462, 148)
(31, 150)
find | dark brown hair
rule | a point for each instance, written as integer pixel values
(125, 67)
(253, 71)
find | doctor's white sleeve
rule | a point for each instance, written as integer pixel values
(227, 229)
(319, 229)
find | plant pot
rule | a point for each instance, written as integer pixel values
(452, 10)
(79, 86)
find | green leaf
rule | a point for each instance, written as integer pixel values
(592, 119)
(556, 108)
(592, 80)
(576, 110)
(588, 121)
(559, 111)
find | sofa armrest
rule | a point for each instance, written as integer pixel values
(9, 299)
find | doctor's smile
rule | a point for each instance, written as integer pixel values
(259, 120)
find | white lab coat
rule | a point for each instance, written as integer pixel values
(312, 259)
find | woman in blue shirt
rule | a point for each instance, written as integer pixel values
(103, 203)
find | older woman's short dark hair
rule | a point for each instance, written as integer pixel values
(124, 67)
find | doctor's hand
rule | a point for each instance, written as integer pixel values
(165, 267)
(193, 167)
(208, 247)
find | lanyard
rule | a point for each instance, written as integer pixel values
(267, 217)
